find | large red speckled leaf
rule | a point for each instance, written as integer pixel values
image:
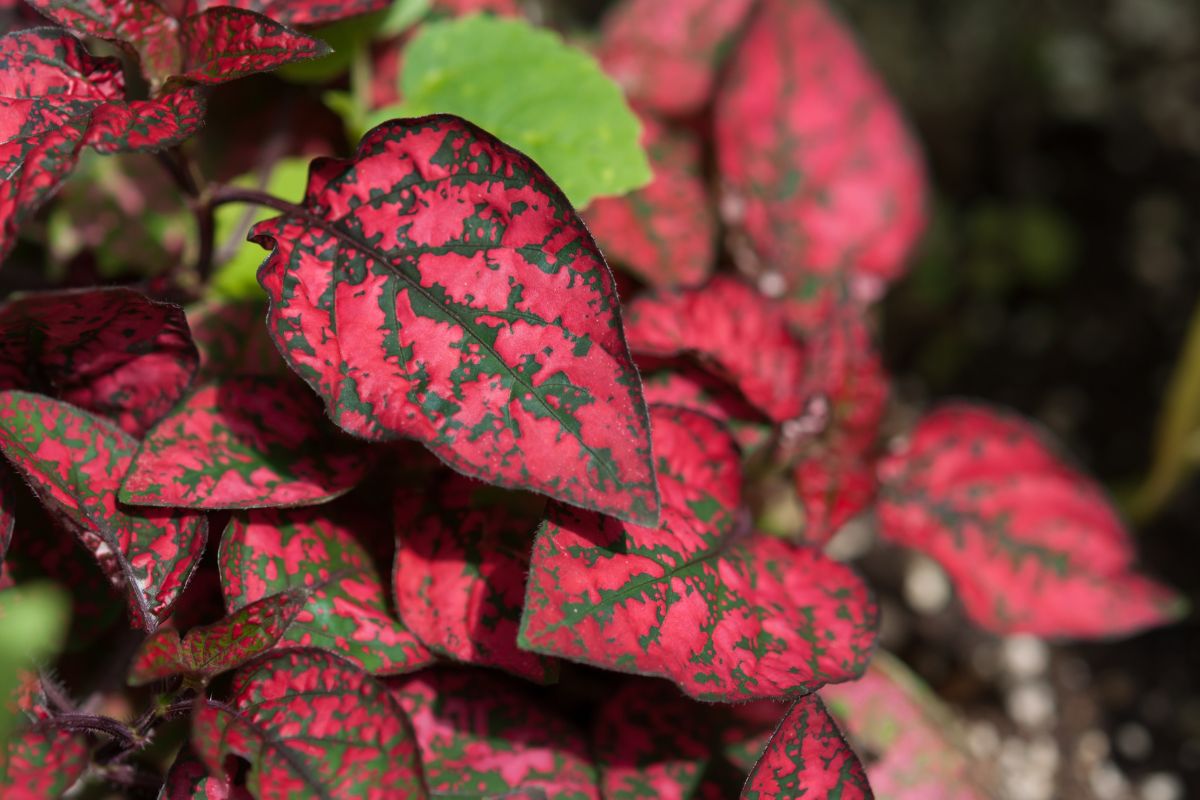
(32, 170)
(808, 757)
(482, 735)
(226, 43)
(819, 172)
(224, 645)
(733, 331)
(74, 462)
(271, 551)
(300, 12)
(725, 615)
(665, 233)
(649, 744)
(1030, 543)
(112, 351)
(440, 287)
(232, 340)
(461, 559)
(911, 735)
(311, 724)
(155, 124)
(143, 24)
(40, 764)
(245, 442)
(666, 53)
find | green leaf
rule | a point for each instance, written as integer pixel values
(33, 620)
(528, 88)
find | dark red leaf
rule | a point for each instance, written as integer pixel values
(244, 443)
(440, 287)
(142, 24)
(734, 332)
(233, 341)
(33, 170)
(485, 736)
(111, 351)
(40, 764)
(725, 616)
(666, 53)
(820, 174)
(311, 725)
(461, 559)
(74, 463)
(187, 779)
(222, 44)
(154, 124)
(265, 552)
(808, 757)
(300, 12)
(833, 489)
(1030, 543)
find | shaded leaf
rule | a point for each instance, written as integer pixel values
(461, 560)
(1030, 543)
(142, 24)
(188, 779)
(266, 552)
(233, 341)
(300, 12)
(311, 725)
(833, 489)
(74, 462)
(723, 615)
(41, 764)
(485, 736)
(244, 443)
(439, 287)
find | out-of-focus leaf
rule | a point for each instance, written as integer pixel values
(300, 12)
(233, 341)
(41, 764)
(33, 622)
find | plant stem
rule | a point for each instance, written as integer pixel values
(93, 724)
(177, 166)
(234, 194)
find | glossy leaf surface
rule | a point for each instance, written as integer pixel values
(1030, 543)
(439, 287)
(244, 443)
(311, 725)
(483, 735)
(724, 615)
(74, 461)
(263, 553)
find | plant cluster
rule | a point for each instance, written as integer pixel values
(457, 521)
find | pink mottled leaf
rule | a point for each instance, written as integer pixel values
(310, 724)
(144, 25)
(111, 351)
(820, 175)
(74, 462)
(244, 443)
(1030, 543)
(735, 333)
(461, 558)
(266, 552)
(224, 645)
(665, 233)
(483, 735)
(155, 124)
(725, 615)
(222, 44)
(440, 287)
(807, 757)
(37, 764)
(300, 12)
(666, 53)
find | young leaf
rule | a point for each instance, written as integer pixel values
(154, 124)
(735, 333)
(440, 287)
(311, 725)
(1031, 544)
(41, 764)
(74, 463)
(725, 617)
(111, 351)
(224, 645)
(222, 44)
(266, 552)
(244, 443)
(528, 88)
(460, 573)
(666, 53)
(665, 233)
(820, 174)
(807, 757)
(482, 735)
(300, 12)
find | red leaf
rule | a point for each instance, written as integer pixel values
(227, 43)
(221, 646)
(807, 756)
(1031, 544)
(34, 169)
(666, 53)
(483, 735)
(834, 489)
(724, 617)
(461, 560)
(74, 462)
(187, 779)
(820, 173)
(265, 552)
(143, 24)
(440, 287)
(664, 233)
(154, 124)
(734, 332)
(300, 12)
(111, 351)
(39, 764)
(244, 443)
(311, 725)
